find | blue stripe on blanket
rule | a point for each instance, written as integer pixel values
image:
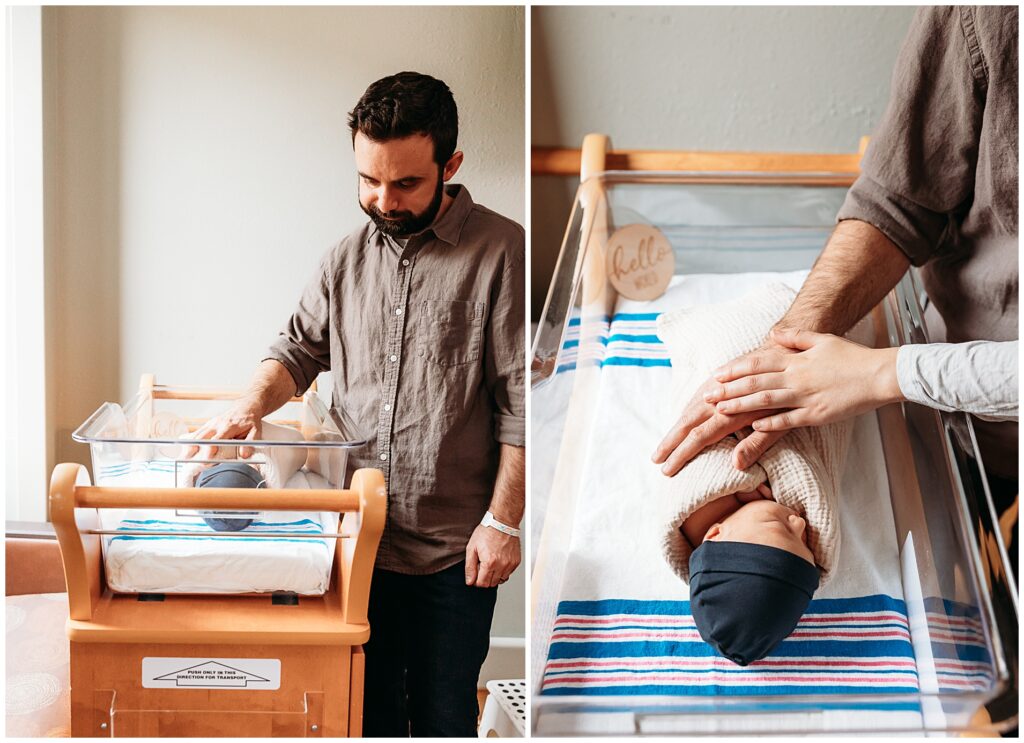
(700, 649)
(302, 522)
(206, 539)
(301, 526)
(635, 317)
(628, 361)
(132, 537)
(125, 468)
(740, 707)
(602, 607)
(700, 672)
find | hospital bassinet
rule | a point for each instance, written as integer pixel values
(729, 217)
(273, 661)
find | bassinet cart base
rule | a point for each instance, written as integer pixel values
(177, 665)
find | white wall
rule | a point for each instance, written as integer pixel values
(204, 165)
(795, 79)
(24, 406)
(199, 164)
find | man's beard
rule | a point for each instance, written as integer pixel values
(405, 223)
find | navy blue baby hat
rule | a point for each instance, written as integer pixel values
(229, 475)
(747, 598)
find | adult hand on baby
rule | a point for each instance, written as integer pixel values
(701, 426)
(829, 379)
(491, 557)
(243, 421)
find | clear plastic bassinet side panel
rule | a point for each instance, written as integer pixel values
(960, 600)
(961, 594)
(304, 718)
(713, 224)
(149, 442)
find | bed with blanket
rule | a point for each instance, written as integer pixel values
(902, 639)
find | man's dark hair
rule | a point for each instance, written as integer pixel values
(406, 104)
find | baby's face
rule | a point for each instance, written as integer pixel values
(764, 522)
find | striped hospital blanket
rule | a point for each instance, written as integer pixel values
(194, 525)
(841, 646)
(957, 641)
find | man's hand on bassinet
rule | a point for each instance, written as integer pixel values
(241, 422)
(702, 425)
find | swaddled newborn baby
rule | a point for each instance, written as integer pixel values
(228, 475)
(752, 573)
(753, 544)
(278, 465)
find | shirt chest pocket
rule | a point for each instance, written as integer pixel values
(451, 333)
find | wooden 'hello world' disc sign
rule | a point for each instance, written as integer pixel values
(640, 262)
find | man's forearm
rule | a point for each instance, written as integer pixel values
(508, 501)
(857, 268)
(271, 387)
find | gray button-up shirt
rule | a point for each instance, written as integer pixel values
(426, 347)
(939, 178)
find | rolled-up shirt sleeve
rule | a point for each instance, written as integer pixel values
(917, 175)
(303, 346)
(505, 359)
(979, 377)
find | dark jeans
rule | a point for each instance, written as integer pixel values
(429, 635)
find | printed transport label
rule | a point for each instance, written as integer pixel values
(251, 674)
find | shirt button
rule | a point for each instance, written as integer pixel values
(383, 457)
(421, 352)
(405, 262)
(393, 357)
(387, 407)
(398, 311)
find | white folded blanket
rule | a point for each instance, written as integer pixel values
(210, 564)
(802, 469)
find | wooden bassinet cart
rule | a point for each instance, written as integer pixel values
(216, 665)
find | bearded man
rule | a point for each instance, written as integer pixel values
(419, 316)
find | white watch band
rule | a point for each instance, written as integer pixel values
(492, 522)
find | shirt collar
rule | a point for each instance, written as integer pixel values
(449, 226)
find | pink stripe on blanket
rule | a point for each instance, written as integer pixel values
(762, 664)
(745, 679)
(687, 620)
(694, 636)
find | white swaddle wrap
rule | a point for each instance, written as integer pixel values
(802, 469)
